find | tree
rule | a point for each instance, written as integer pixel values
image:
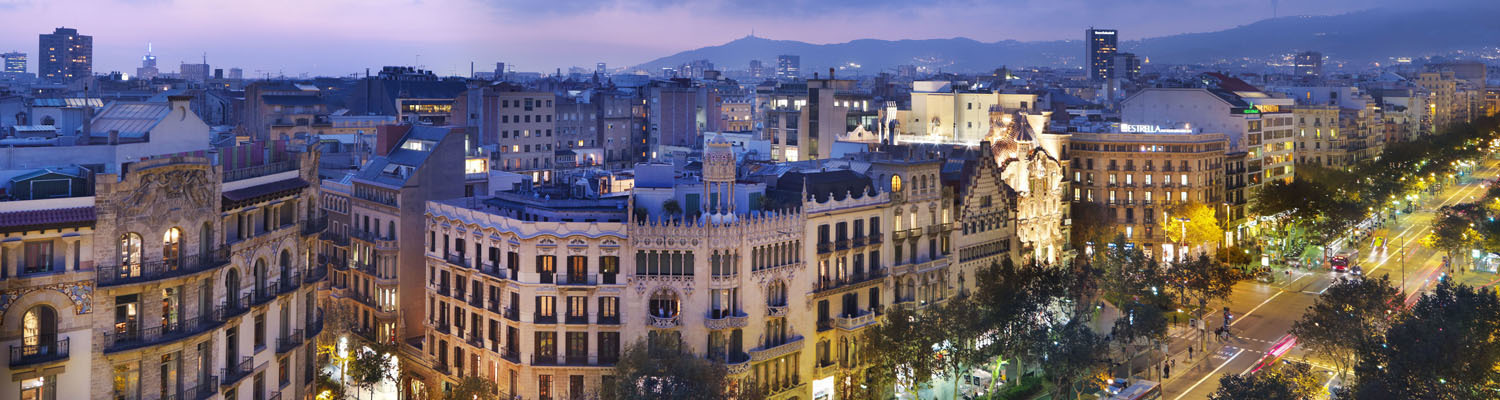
(1072, 359)
(1445, 347)
(474, 388)
(904, 343)
(658, 367)
(326, 383)
(1202, 225)
(671, 208)
(1091, 224)
(1453, 230)
(1351, 315)
(1203, 278)
(1285, 381)
(371, 365)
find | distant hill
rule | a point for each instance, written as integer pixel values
(1360, 37)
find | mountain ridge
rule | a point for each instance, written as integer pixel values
(1360, 37)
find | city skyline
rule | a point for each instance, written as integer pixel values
(430, 35)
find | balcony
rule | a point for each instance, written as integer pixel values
(457, 259)
(206, 388)
(495, 271)
(231, 175)
(875, 238)
(841, 244)
(544, 359)
(444, 290)
(576, 319)
(316, 274)
(265, 294)
(577, 279)
(662, 322)
(825, 324)
(512, 314)
(726, 319)
(47, 349)
(775, 310)
(544, 319)
(288, 343)
(830, 283)
(290, 283)
(233, 374)
(510, 354)
(859, 241)
(608, 320)
(855, 321)
(315, 325)
(314, 225)
(113, 275)
(235, 307)
(129, 336)
(771, 351)
(825, 248)
(575, 359)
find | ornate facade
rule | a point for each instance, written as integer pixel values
(181, 277)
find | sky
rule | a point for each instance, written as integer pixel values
(342, 37)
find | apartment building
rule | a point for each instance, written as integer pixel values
(181, 275)
(1138, 177)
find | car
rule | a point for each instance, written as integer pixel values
(1339, 263)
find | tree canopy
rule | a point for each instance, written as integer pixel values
(658, 367)
(1284, 381)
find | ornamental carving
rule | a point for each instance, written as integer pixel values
(157, 193)
(81, 292)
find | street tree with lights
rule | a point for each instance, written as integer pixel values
(1350, 315)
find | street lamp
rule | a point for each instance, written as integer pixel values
(1182, 238)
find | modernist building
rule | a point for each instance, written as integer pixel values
(153, 266)
(64, 55)
(788, 67)
(1308, 64)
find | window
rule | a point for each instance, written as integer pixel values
(126, 313)
(38, 258)
(260, 331)
(546, 345)
(546, 267)
(609, 309)
(578, 347)
(130, 255)
(38, 331)
(39, 388)
(544, 387)
(127, 382)
(171, 249)
(578, 307)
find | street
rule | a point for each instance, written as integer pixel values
(1264, 312)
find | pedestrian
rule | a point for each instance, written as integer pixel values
(1190, 352)
(1166, 371)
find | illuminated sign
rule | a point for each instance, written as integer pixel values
(1135, 128)
(1251, 111)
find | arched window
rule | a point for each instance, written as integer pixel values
(286, 264)
(232, 288)
(38, 330)
(130, 255)
(895, 183)
(206, 241)
(260, 276)
(664, 303)
(171, 248)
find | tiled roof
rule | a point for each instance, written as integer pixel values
(18, 220)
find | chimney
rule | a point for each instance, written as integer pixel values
(386, 137)
(180, 101)
(88, 121)
(114, 136)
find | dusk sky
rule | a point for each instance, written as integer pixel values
(338, 37)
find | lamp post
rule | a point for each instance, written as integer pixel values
(1182, 238)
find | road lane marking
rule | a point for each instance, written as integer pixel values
(1252, 311)
(1210, 374)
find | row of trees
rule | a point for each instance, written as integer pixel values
(1443, 347)
(1321, 204)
